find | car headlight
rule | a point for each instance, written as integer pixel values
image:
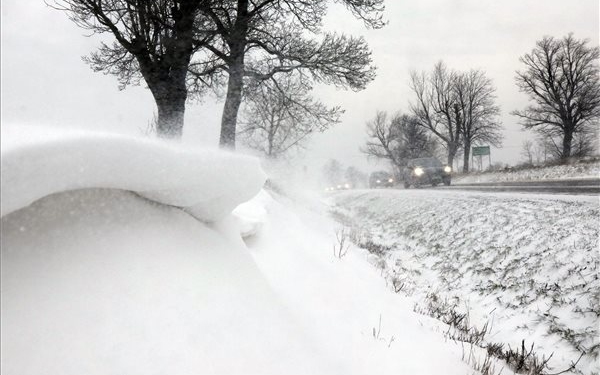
(391, 180)
(447, 169)
(378, 181)
(419, 171)
(347, 186)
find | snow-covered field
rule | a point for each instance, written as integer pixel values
(587, 169)
(525, 265)
(104, 273)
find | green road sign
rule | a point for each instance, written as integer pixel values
(481, 150)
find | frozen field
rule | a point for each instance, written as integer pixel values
(521, 267)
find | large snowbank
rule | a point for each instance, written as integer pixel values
(209, 184)
(97, 279)
(526, 265)
(101, 281)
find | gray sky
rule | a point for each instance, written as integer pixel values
(44, 81)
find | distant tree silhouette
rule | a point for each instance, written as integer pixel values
(280, 116)
(561, 78)
(397, 139)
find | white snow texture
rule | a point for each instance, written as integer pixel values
(209, 184)
(96, 280)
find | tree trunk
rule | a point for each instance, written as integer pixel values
(466, 154)
(166, 75)
(170, 100)
(451, 154)
(270, 139)
(170, 117)
(567, 141)
(230, 110)
(235, 85)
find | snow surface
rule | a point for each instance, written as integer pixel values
(526, 264)
(556, 172)
(99, 279)
(37, 162)
(340, 302)
(104, 282)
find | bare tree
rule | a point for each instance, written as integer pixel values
(397, 139)
(528, 150)
(154, 41)
(561, 77)
(229, 41)
(382, 139)
(475, 111)
(279, 116)
(434, 107)
(259, 40)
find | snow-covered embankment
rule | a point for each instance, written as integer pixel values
(209, 184)
(98, 280)
(109, 267)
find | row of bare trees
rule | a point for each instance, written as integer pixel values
(450, 108)
(459, 110)
(182, 48)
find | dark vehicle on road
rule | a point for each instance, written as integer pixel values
(425, 171)
(380, 179)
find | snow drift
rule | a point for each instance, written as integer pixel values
(104, 282)
(98, 280)
(209, 184)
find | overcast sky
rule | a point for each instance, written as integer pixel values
(45, 82)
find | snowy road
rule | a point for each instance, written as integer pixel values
(525, 264)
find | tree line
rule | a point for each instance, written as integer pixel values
(455, 110)
(269, 54)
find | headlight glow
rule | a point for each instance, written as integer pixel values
(419, 171)
(347, 186)
(391, 180)
(447, 169)
(378, 181)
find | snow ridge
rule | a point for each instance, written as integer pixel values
(208, 184)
